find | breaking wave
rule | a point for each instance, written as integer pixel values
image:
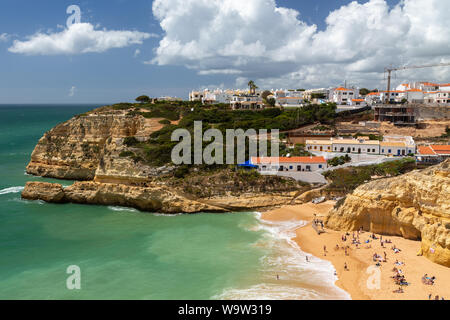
(299, 278)
(11, 190)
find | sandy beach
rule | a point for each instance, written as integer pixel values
(360, 278)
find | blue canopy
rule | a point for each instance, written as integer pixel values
(247, 164)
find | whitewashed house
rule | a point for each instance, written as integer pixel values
(343, 95)
(285, 164)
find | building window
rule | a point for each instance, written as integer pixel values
(320, 166)
(291, 167)
(389, 151)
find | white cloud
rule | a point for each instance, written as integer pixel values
(259, 40)
(4, 37)
(137, 53)
(79, 38)
(72, 91)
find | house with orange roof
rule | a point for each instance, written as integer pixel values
(289, 164)
(343, 95)
(357, 102)
(432, 154)
(373, 98)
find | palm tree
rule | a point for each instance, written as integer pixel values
(252, 86)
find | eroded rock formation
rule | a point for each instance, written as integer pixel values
(415, 205)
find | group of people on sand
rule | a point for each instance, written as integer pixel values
(398, 277)
(428, 280)
(430, 296)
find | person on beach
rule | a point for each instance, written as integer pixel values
(278, 277)
(345, 266)
(324, 250)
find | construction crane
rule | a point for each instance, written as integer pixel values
(390, 69)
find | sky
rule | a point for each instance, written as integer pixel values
(120, 49)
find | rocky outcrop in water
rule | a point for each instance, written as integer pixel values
(154, 199)
(415, 206)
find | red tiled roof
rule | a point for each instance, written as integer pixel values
(434, 149)
(358, 100)
(425, 150)
(343, 89)
(441, 149)
(256, 160)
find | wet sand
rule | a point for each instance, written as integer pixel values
(360, 279)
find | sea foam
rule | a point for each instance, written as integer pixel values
(299, 279)
(11, 190)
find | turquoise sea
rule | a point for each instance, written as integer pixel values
(126, 254)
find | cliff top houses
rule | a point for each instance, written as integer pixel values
(414, 92)
(391, 145)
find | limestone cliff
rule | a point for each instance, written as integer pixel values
(87, 146)
(415, 205)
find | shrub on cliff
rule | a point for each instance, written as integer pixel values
(130, 141)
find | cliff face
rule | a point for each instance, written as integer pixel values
(88, 148)
(415, 205)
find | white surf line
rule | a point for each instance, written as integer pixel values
(11, 190)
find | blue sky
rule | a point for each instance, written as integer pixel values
(32, 74)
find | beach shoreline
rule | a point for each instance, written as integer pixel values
(360, 281)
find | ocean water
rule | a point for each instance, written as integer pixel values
(126, 254)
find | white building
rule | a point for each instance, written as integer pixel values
(343, 95)
(246, 103)
(217, 96)
(373, 98)
(294, 164)
(196, 96)
(290, 102)
(391, 145)
(357, 103)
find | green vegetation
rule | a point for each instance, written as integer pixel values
(348, 179)
(165, 122)
(252, 86)
(338, 161)
(125, 154)
(157, 149)
(265, 94)
(143, 99)
(297, 151)
(130, 141)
